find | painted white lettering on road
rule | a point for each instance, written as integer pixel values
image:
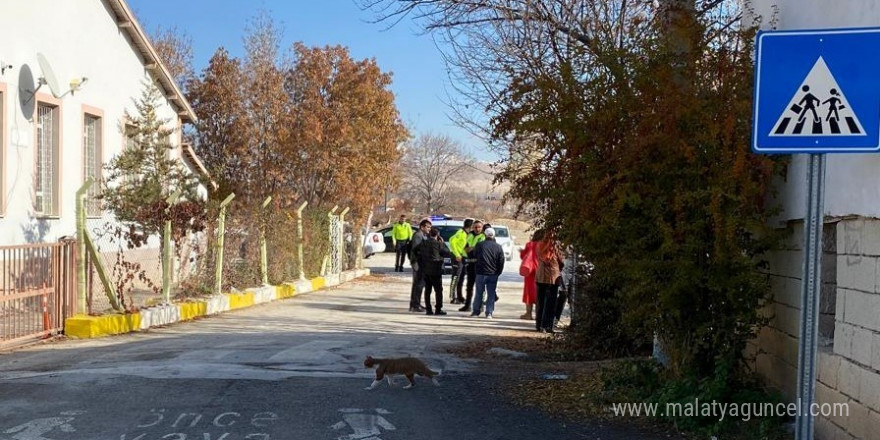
(365, 426)
(217, 420)
(35, 429)
(162, 425)
(196, 418)
(264, 419)
(159, 414)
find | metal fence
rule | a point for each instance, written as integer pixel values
(337, 244)
(37, 290)
(261, 244)
(134, 272)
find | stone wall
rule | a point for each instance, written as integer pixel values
(849, 356)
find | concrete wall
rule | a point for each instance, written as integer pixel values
(776, 347)
(79, 38)
(849, 358)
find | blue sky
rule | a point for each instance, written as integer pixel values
(420, 79)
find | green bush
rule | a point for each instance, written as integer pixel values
(646, 381)
(650, 176)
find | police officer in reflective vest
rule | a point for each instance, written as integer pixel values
(457, 244)
(401, 234)
(473, 238)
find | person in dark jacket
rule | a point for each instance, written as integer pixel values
(418, 283)
(432, 251)
(473, 238)
(490, 265)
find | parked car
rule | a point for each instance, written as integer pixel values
(373, 244)
(503, 237)
(386, 237)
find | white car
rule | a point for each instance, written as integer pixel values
(502, 237)
(373, 244)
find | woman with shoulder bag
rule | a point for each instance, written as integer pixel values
(548, 278)
(527, 269)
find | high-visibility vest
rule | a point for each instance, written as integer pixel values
(401, 232)
(472, 239)
(457, 243)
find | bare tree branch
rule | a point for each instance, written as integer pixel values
(431, 166)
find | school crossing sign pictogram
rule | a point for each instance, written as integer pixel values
(817, 92)
(818, 107)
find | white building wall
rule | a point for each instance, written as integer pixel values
(852, 185)
(79, 38)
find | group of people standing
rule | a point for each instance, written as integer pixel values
(477, 262)
(545, 289)
(475, 255)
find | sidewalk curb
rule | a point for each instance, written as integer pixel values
(84, 327)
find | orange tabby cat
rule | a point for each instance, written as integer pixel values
(407, 366)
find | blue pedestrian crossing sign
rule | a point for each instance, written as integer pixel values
(817, 91)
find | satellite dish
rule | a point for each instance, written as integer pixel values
(26, 89)
(48, 77)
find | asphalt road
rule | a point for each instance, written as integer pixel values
(286, 370)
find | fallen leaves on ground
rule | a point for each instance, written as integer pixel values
(577, 398)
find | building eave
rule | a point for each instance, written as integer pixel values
(190, 154)
(127, 23)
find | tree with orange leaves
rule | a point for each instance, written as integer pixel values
(345, 128)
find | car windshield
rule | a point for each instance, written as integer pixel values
(501, 232)
(447, 231)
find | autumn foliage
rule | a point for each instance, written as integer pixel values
(648, 173)
(301, 124)
(309, 124)
(305, 124)
(625, 127)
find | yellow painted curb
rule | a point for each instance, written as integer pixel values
(285, 291)
(192, 310)
(318, 283)
(240, 300)
(82, 326)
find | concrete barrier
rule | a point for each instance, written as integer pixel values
(303, 286)
(264, 294)
(159, 315)
(217, 304)
(331, 280)
(83, 326)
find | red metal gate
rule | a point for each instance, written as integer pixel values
(37, 290)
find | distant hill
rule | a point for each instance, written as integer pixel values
(473, 194)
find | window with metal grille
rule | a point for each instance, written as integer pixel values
(46, 156)
(92, 163)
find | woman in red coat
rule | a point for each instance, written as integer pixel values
(528, 268)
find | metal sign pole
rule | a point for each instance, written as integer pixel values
(815, 93)
(810, 288)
